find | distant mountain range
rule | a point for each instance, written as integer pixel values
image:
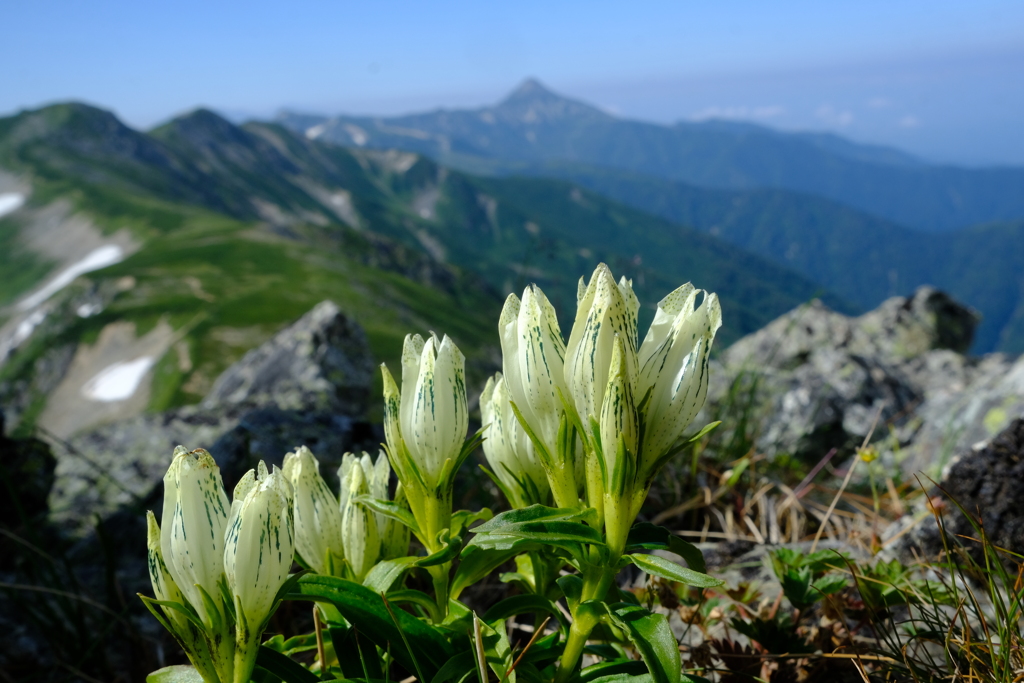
(233, 231)
(865, 222)
(534, 126)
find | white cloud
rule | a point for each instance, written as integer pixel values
(909, 121)
(879, 102)
(833, 116)
(738, 112)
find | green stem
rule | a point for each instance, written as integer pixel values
(596, 582)
(439, 574)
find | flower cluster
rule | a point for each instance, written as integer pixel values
(217, 567)
(628, 402)
(338, 536)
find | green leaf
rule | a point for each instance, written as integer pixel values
(530, 603)
(830, 583)
(623, 678)
(705, 430)
(478, 561)
(284, 668)
(409, 595)
(390, 509)
(796, 586)
(612, 668)
(457, 669)
(179, 673)
(652, 637)
(463, 518)
(554, 532)
(384, 575)
(647, 536)
(450, 548)
(535, 513)
(497, 650)
(572, 588)
(666, 569)
(365, 608)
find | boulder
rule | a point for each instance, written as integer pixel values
(985, 481)
(309, 384)
(820, 377)
(320, 363)
(815, 379)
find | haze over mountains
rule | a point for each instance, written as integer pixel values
(866, 222)
(534, 127)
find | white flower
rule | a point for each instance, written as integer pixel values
(259, 547)
(195, 515)
(533, 354)
(432, 417)
(316, 513)
(508, 449)
(673, 367)
(359, 525)
(618, 423)
(604, 309)
(394, 536)
(164, 587)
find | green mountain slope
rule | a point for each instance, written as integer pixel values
(533, 126)
(239, 230)
(861, 258)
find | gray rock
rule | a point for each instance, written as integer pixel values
(309, 384)
(987, 481)
(319, 363)
(819, 378)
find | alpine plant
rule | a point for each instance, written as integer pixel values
(218, 568)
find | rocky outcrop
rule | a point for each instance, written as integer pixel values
(320, 363)
(816, 379)
(309, 384)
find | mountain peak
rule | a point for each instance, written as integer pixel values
(532, 102)
(530, 90)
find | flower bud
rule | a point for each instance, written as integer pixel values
(673, 363)
(164, 588)
(603, 310)
(259, 547)
(432, 412)
(358, 524)
(315, 512)
(618, 423)
(533, 353)
(195, 515)
(508, 450)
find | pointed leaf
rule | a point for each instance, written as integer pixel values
(179, 673)
(283, 667)
(653, 638)
(647, 536)
(666, 569)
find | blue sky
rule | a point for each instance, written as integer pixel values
(942, 79)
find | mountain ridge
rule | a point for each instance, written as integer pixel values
(714, 154)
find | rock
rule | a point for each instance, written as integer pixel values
(819, 378)
(320, 363)
(26, 472)
(309, 384)
(986, 482)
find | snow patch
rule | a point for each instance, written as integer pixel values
(98, 258)
(10, 202)
(117, 382)
(88, 310)
(26, 326)
(313, 132)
